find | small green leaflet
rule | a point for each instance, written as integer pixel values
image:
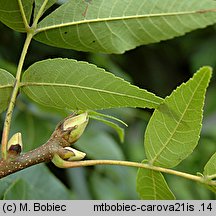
(151, 185)
(6, 86)
(174, 128)
(74, 85)
(106, 119)
(93, 113)
(116, 127)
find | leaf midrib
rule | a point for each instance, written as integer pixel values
(27, 84)
(177, 125)
(108, 19)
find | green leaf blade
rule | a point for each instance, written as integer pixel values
(17, 190)
(73, 85)
(34, 183)
(6, 87)
(151, 185)
(210, 170)
(116, 26)
(174, 129)
(10, 13)
(210, 167)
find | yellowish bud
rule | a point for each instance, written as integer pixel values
(76, 125)
(78, 155)
(65, 154)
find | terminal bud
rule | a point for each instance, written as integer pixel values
(75, 126)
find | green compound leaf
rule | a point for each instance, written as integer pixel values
(151, 185)
(174, 128)
(73, 85)
(10, 13)
(6, 86)
(115, 26)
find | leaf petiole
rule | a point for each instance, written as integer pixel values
(66, 164)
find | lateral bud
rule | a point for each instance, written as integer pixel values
(14, 146)
(71, 154)
(75, 126)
